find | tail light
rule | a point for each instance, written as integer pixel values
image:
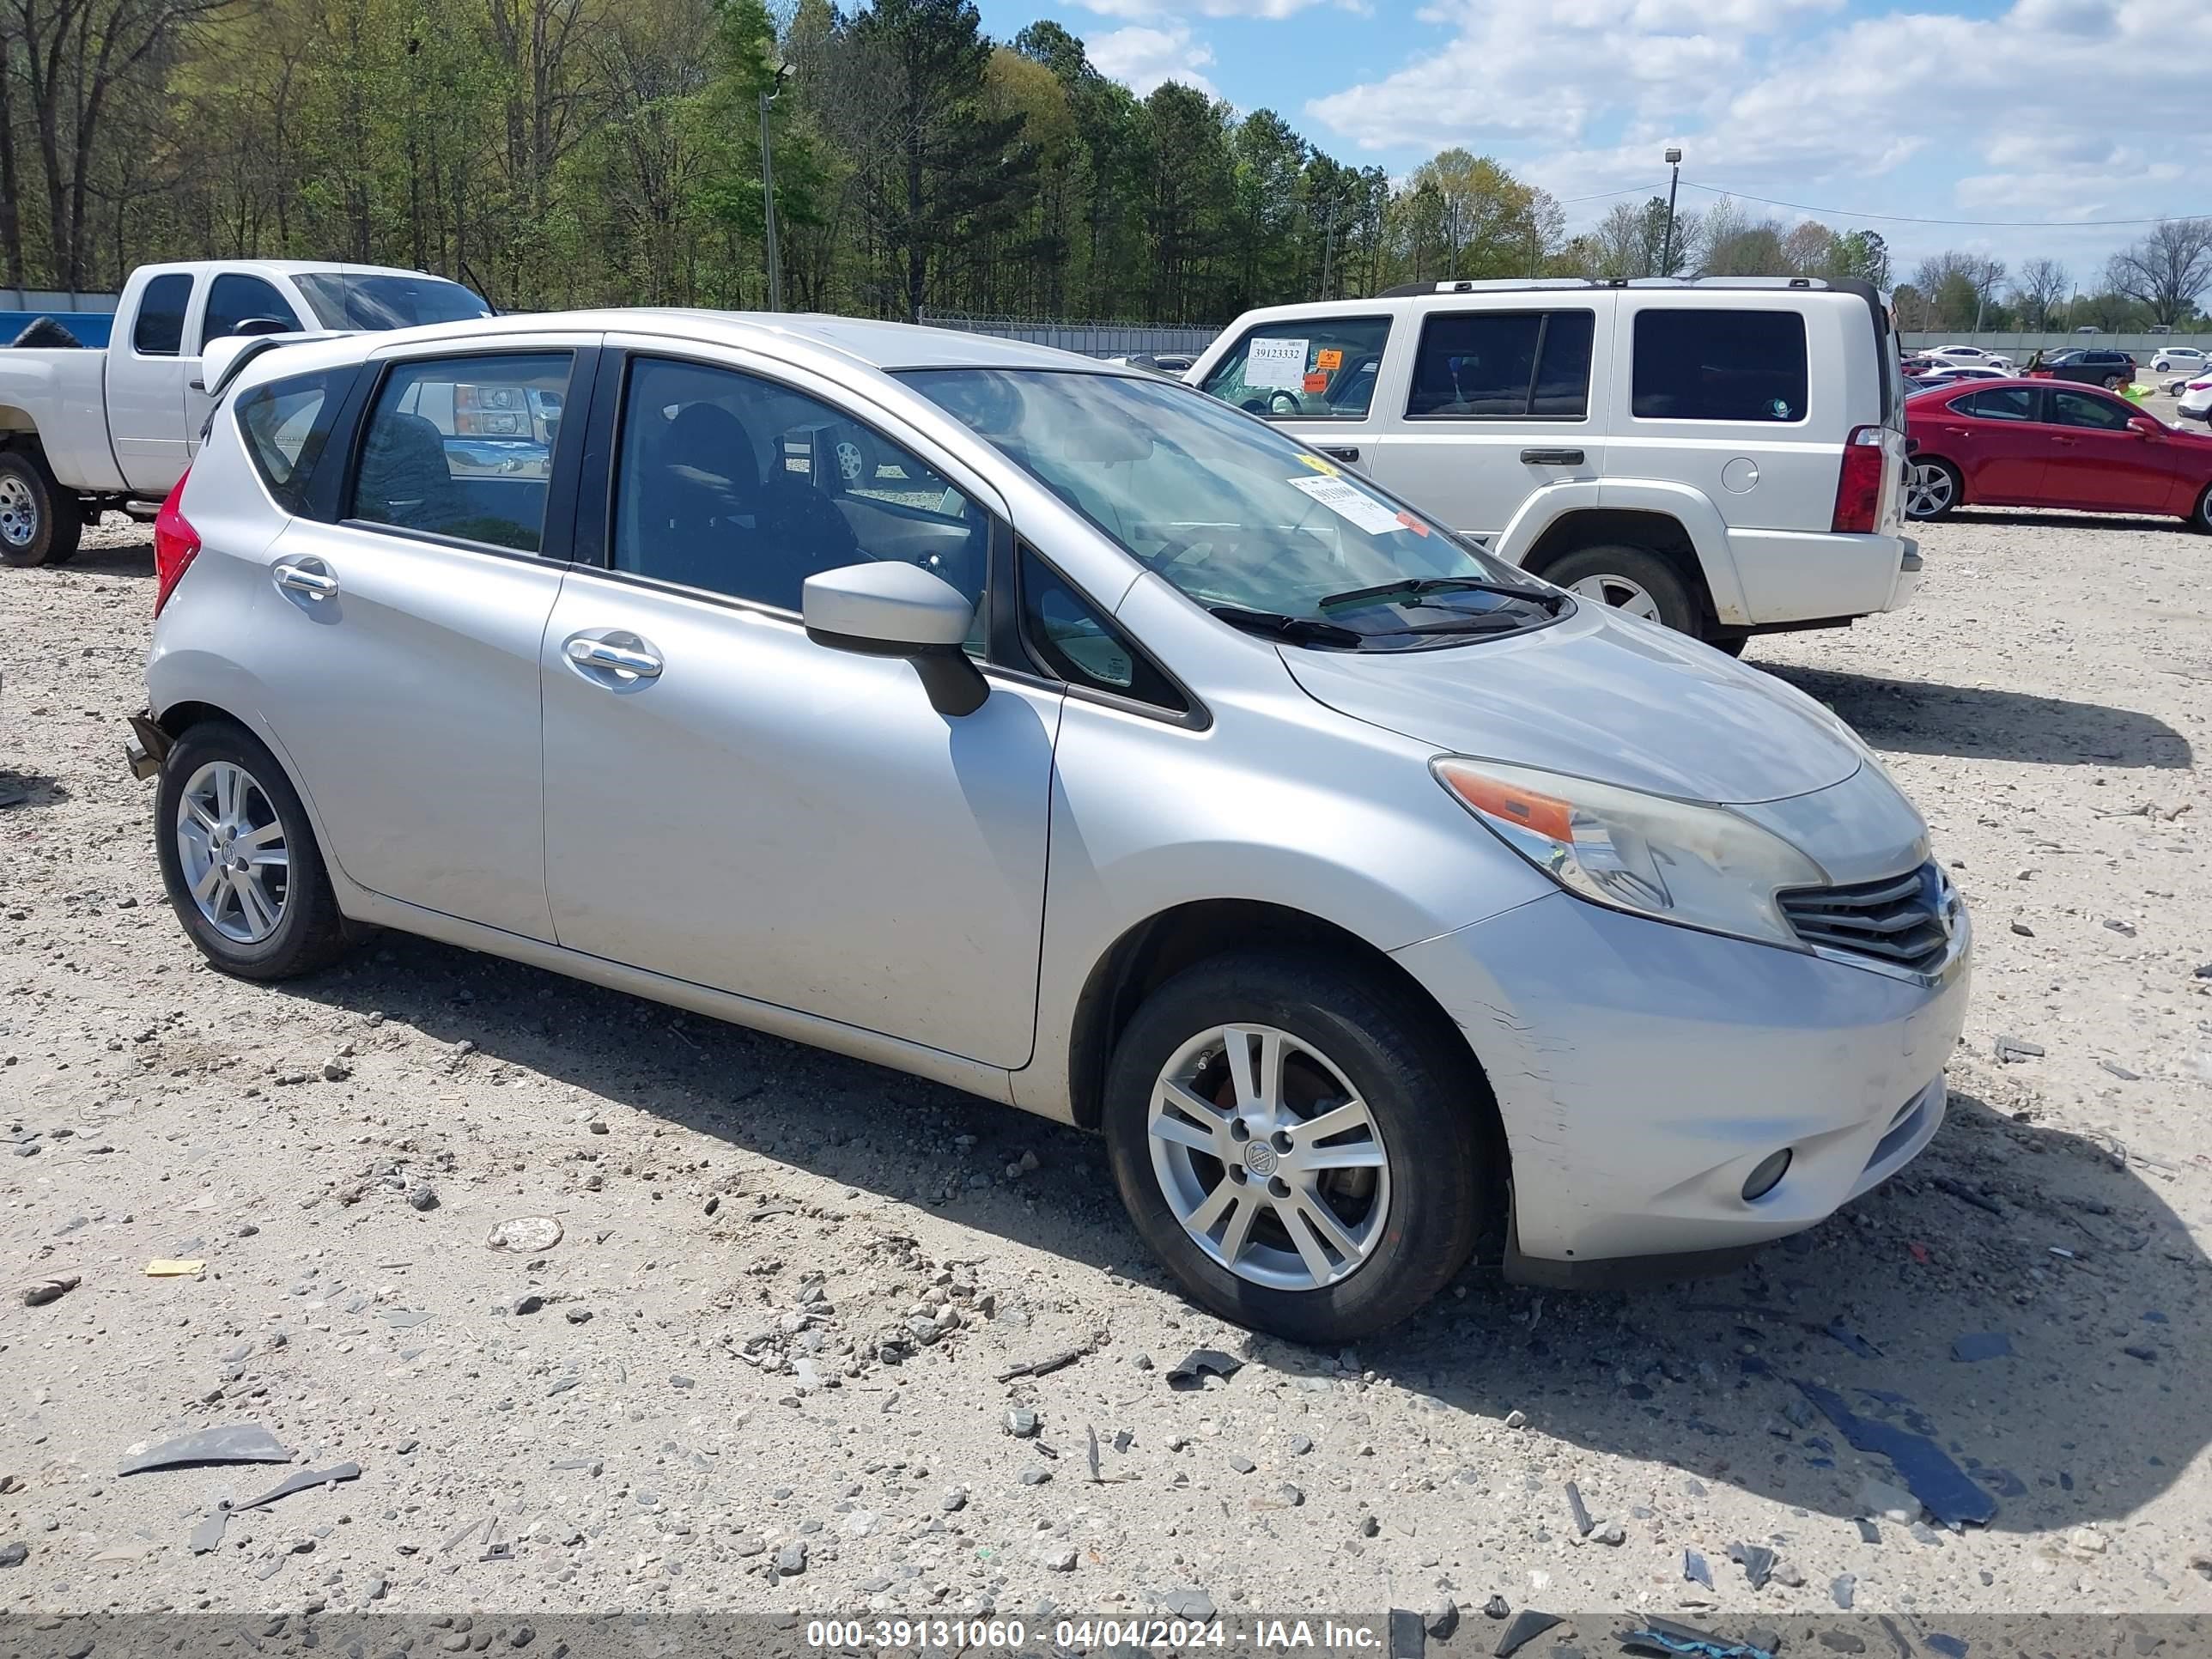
(1858, 483)
(176, 544)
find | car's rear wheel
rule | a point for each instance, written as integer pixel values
(1932, 488)
(239, 858)
(2201, 518)
(1631, 579)
(39, 521)
(1305, 1152)
(2114, 382)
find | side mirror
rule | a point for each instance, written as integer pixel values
(884, 608)
(2145, 425)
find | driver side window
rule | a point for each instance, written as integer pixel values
(740, 486)
(1303, 369)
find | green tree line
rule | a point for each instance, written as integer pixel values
(575, 152)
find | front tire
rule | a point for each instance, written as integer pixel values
(1631, 579)
(39, 521)
(1307, 1153)
(1932, 489)
(239, 858)
(2201, 518)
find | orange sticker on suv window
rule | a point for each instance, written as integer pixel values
(1329, 359)
(1317, 382)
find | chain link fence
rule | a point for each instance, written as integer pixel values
(1090, 339)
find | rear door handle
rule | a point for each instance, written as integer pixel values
(640, 663)
(1340, 453)
(308, 583)
(2068, 443)
(1553, 456)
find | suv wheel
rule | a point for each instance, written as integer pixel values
(238, 859)
(39, 519)
(2114, 382)
(1631, 579)
(1932, 488)
(1304, 1152)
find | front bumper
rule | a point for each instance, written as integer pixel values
(1645, 1070)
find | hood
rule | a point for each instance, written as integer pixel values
(1603, 697)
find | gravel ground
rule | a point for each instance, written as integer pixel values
(761, 1369)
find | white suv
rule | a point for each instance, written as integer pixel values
(1725, 456)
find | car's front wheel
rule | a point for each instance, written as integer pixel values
(1932, 488)
(1308, 1154)
(1631, 579)
(2201, 518)
(238, 857)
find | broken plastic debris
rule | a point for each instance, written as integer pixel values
(1935, 1479)
(162, 1268)
(1665, 1637)
(1694, 1569)
(1582, 1521)
(1527, 1624)
(1756, 1560)
(208, 1535)
(1050, 1363)
(1852, 1339)
(301, 1480)
(1191, 1372)
(234, 1442)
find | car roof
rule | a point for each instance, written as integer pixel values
(857, 341)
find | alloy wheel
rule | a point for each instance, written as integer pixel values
(1928, 490)
(231, 850)
(19, 513)
(851, 464)
(1620, 593)
(1269, 1157)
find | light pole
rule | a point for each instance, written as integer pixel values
(767, 189)
(1667, 251)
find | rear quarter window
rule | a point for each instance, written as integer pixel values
(1700, 365)
(286, 425)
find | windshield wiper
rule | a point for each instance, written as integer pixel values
(1425, 585)
(1299, 630)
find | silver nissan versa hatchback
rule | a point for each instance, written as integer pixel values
(1061, 734)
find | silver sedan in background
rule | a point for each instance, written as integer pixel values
(1095, 748)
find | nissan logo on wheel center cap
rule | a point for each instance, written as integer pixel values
(1259, 1157)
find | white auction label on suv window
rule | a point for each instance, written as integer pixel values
(1275, 365)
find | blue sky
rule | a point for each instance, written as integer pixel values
(2066, 111)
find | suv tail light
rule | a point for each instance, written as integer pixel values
(176, 544)
(1858, 483)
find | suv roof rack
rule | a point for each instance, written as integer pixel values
(1508, 284)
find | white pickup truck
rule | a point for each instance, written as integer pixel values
(84, 430)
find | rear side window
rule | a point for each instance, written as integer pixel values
(159, 330)
(463, 446)
(1694, 365)
(234, 298)
(285, 425)
(2011, 403)
(1500, 365)
(1305, 368)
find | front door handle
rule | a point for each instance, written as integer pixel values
(641, 664)
(2068, 443)
(1340, 453)
(1553, 456)
(308, 584)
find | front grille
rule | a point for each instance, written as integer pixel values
(1899, 919)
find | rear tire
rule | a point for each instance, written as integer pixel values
(40, 520)
(1427, 1151)
(236, 933)
(1631, 579)
(2201, 518)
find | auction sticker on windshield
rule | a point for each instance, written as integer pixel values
(1348, 503)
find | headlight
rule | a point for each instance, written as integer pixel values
(1679, 861)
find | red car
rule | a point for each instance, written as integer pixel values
(2046, 443)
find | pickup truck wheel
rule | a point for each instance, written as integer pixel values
(1308, 1154)
(39, 519)
(1631, 579)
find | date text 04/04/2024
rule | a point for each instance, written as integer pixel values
(1287, 1635)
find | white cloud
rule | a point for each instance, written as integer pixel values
(1914, 112)
(1144, 56)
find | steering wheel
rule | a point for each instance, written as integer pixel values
(1283, 402)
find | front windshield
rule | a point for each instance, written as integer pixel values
(347, 301)
(1249, 523)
